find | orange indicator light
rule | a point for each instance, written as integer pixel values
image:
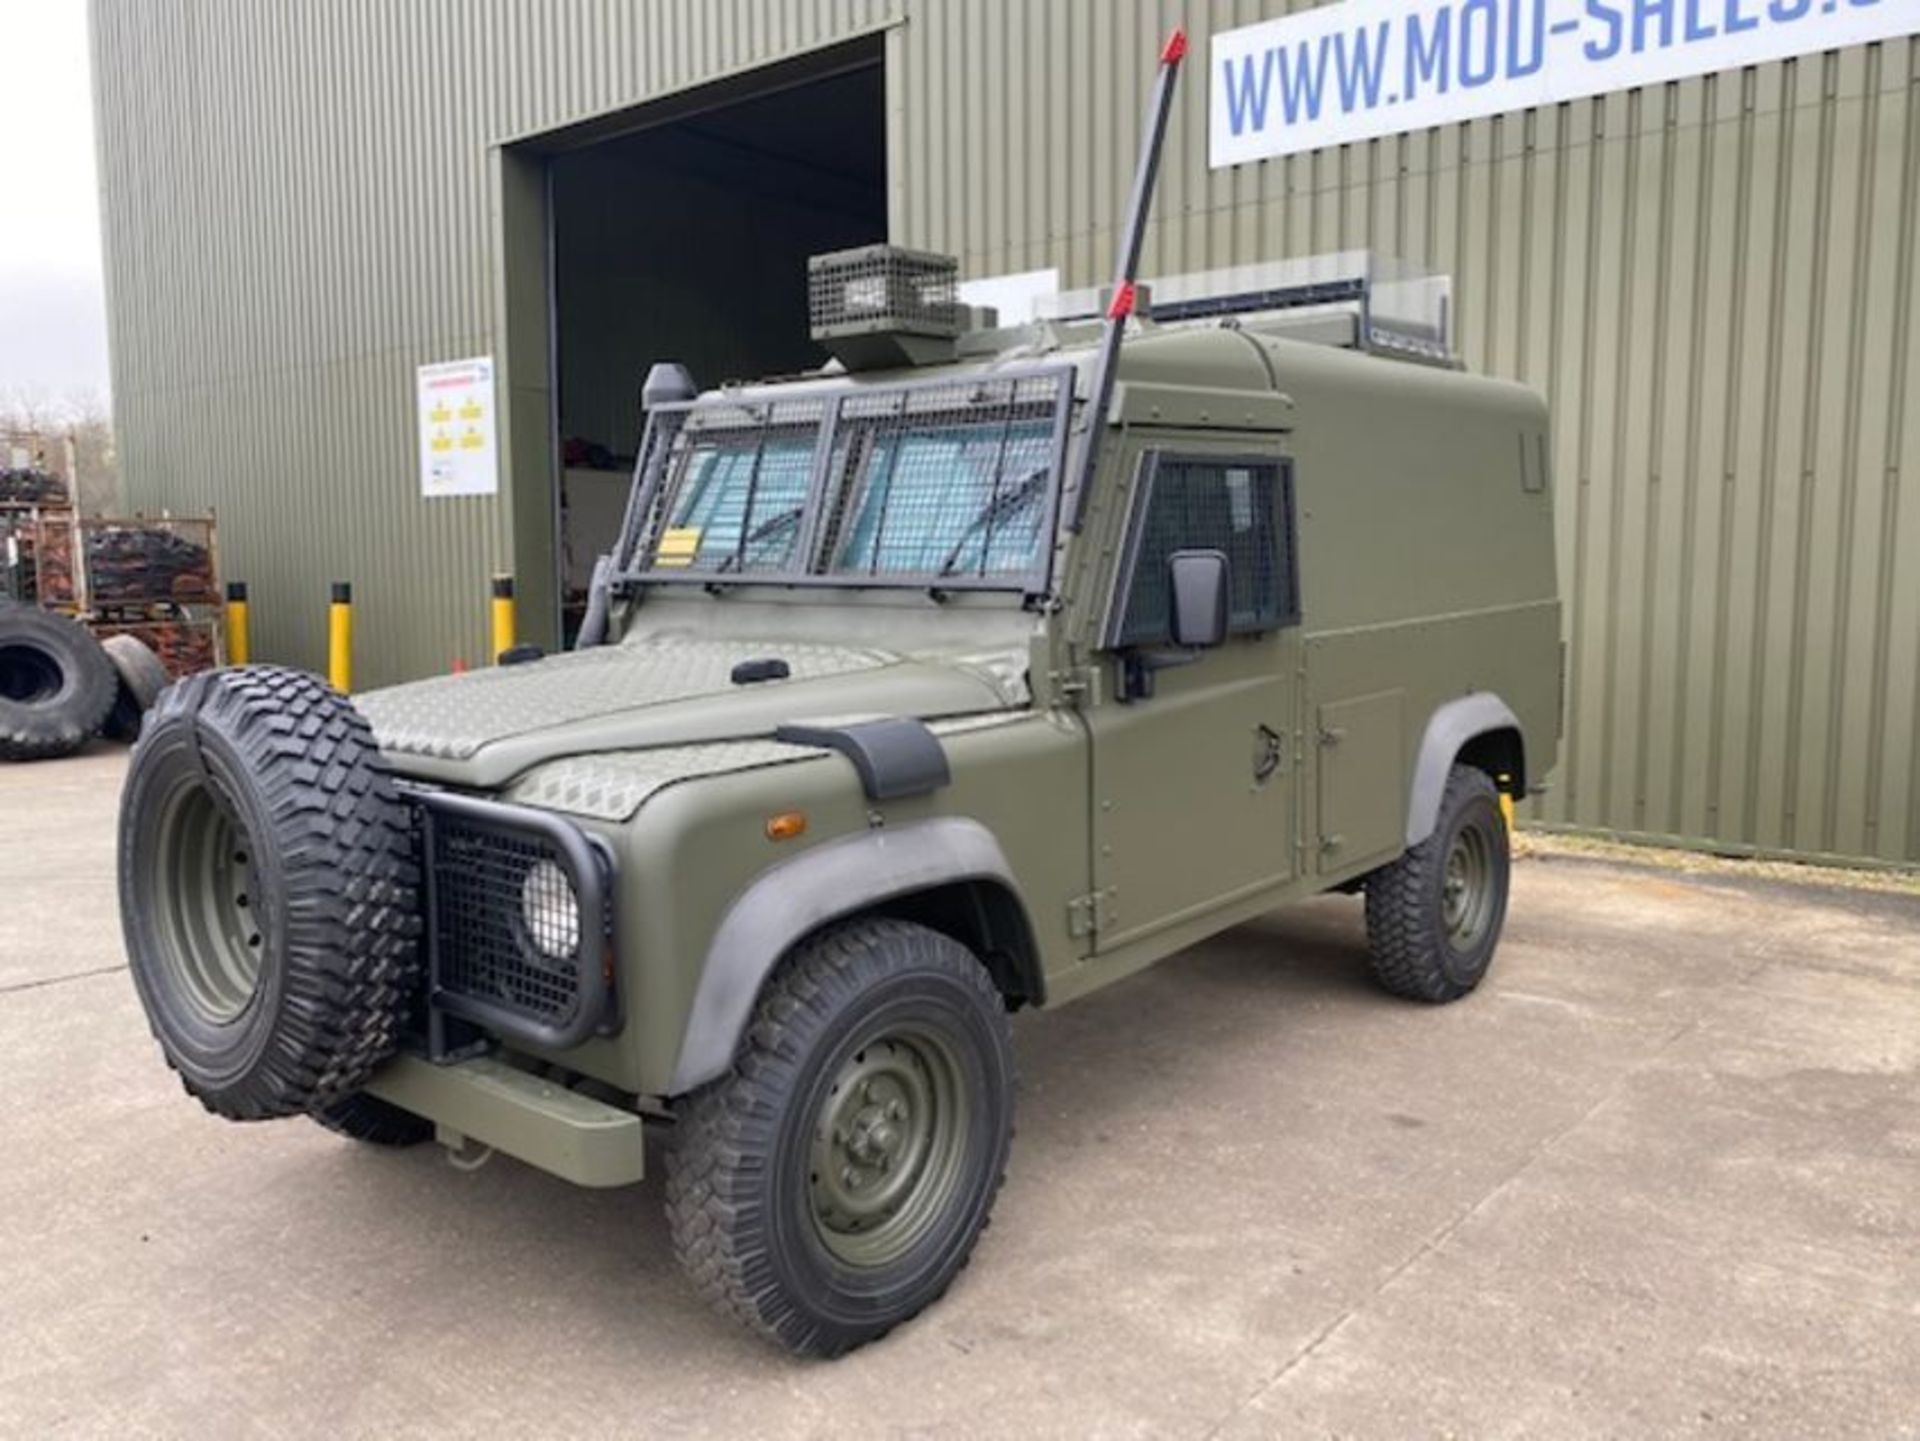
(786, 825)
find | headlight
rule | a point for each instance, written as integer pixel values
(551, 911)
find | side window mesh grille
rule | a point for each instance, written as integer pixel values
(1238, 507)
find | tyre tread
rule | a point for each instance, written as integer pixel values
(713, 1166)
(1402, 937)
(351, 881)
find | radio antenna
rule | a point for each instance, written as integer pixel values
(1120, 303)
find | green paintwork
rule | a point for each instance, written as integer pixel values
(890, 1147)
(493, 1104)
(1270, 768)
(1467, 889)
(202, 854)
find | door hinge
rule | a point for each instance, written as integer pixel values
(1090, 914)
(1074, 685)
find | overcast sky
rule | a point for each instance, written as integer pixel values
(53, 329)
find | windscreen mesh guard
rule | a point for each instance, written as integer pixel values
(518, 923)
(948, 481)
(741, 476)
(946, 484)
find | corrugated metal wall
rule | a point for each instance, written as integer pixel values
(1713, 282)
(299, 209)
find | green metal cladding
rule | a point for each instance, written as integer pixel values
(1711, 280)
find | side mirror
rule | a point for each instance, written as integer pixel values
(1197, 590)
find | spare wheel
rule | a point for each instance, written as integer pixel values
(268, 891)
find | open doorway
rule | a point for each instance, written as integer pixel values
(684, 236)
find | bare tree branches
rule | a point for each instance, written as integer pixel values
(82, 417)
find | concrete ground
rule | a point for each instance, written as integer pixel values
(1660, 1177)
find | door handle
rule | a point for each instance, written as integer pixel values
(1268, 752)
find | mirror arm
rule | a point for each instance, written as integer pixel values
(1139, 666)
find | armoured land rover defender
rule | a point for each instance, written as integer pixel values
(970, 673)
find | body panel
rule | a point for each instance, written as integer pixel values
(1417, 561)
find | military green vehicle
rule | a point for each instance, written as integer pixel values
(974, 672)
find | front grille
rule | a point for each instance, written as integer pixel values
(518, 919)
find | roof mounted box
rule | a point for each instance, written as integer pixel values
(882, 306)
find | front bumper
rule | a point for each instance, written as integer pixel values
(534, 1120)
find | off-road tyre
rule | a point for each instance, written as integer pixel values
(56, 685)
(361, 1117)
(1417, 951)
(268, 891)
(141, 679)
(743, 1194)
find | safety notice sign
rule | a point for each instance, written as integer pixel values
(457, 451)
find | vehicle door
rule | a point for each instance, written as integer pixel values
(1194, 750)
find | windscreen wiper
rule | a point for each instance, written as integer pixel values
(1004, 503)
(788, 517)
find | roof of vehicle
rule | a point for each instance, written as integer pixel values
(1252, 356)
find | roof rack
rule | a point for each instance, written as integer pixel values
(1354, 298)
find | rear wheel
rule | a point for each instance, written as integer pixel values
(834, 1182)
(1434, 916)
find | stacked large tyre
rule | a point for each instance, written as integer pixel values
(57, 685)
(141, 678)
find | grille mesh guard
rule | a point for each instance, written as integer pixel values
(518, 918)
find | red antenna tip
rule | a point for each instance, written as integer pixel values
(1176, 49)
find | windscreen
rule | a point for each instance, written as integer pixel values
(739, 505)
(943, 484)
(946, 500)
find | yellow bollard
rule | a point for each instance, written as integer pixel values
(340, 638)
(1506, 801)
(239, 637)
(502, 616)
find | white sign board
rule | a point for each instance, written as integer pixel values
(1013, 296)
(1364, 68)
(457, 430)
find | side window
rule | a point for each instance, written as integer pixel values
(1242, 507)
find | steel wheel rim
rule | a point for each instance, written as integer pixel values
(1466, 888)
(214, 936)
(889, 1147)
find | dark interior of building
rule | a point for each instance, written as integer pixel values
(688, 240)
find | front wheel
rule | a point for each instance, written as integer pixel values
(834, 1182)
(1434, 915)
